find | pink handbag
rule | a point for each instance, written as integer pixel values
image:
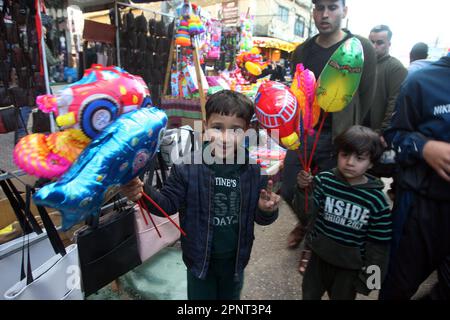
(152, 239)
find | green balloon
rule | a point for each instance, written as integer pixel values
(341, 76)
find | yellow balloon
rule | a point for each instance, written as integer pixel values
(255, 50)
(253, 68)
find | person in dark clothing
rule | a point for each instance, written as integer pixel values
(418, 52)
(218, 203)
(278, 72)
(351, 221)
(418, 57)
(314, 55)
(420, 135)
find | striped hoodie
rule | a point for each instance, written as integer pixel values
(346, 218)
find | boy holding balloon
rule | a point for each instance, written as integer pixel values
(219, 199)
(350, 223)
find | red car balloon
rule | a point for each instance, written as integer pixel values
(277, 111)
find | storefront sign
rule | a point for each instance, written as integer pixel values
(230, 13)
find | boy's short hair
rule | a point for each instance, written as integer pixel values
(360, 140)
(230, 103)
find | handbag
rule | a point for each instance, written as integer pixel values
(152, 237)
(41, 122)
(108, 250)
(8, 119)
(58, 278)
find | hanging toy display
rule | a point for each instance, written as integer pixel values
(214, 39)
(182, 37)
(277, 111)
(246, 33)
(189, 25)
(196, 26)
(118, 155)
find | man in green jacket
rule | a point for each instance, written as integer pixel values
(390, 75)
(314, 54)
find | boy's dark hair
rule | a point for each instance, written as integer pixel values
(229, 103)
(382, 28)
(360, 140)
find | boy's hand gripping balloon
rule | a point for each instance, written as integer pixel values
(118, 155)
(276, 109)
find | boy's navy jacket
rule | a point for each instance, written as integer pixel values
(422, 113)
(189, 190)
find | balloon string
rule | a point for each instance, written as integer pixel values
(142, 211)
(164, 213)
(317, 139)
(300, 156)
(150, 216)
(305, 145)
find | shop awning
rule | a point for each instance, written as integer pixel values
(267, 42)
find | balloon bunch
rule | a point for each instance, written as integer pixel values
(338, 82)
(83, 109)
(119, 154)
(295, 118)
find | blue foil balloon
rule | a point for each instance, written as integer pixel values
(118, 155)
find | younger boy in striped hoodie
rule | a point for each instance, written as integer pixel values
(350, 226)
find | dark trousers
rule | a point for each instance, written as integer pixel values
(219, 283)
(424, 246)
(321, 277)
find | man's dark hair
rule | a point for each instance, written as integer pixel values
(418, 51)
(360, 140)
(229, 103)
(343, 2)
(382, 28)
